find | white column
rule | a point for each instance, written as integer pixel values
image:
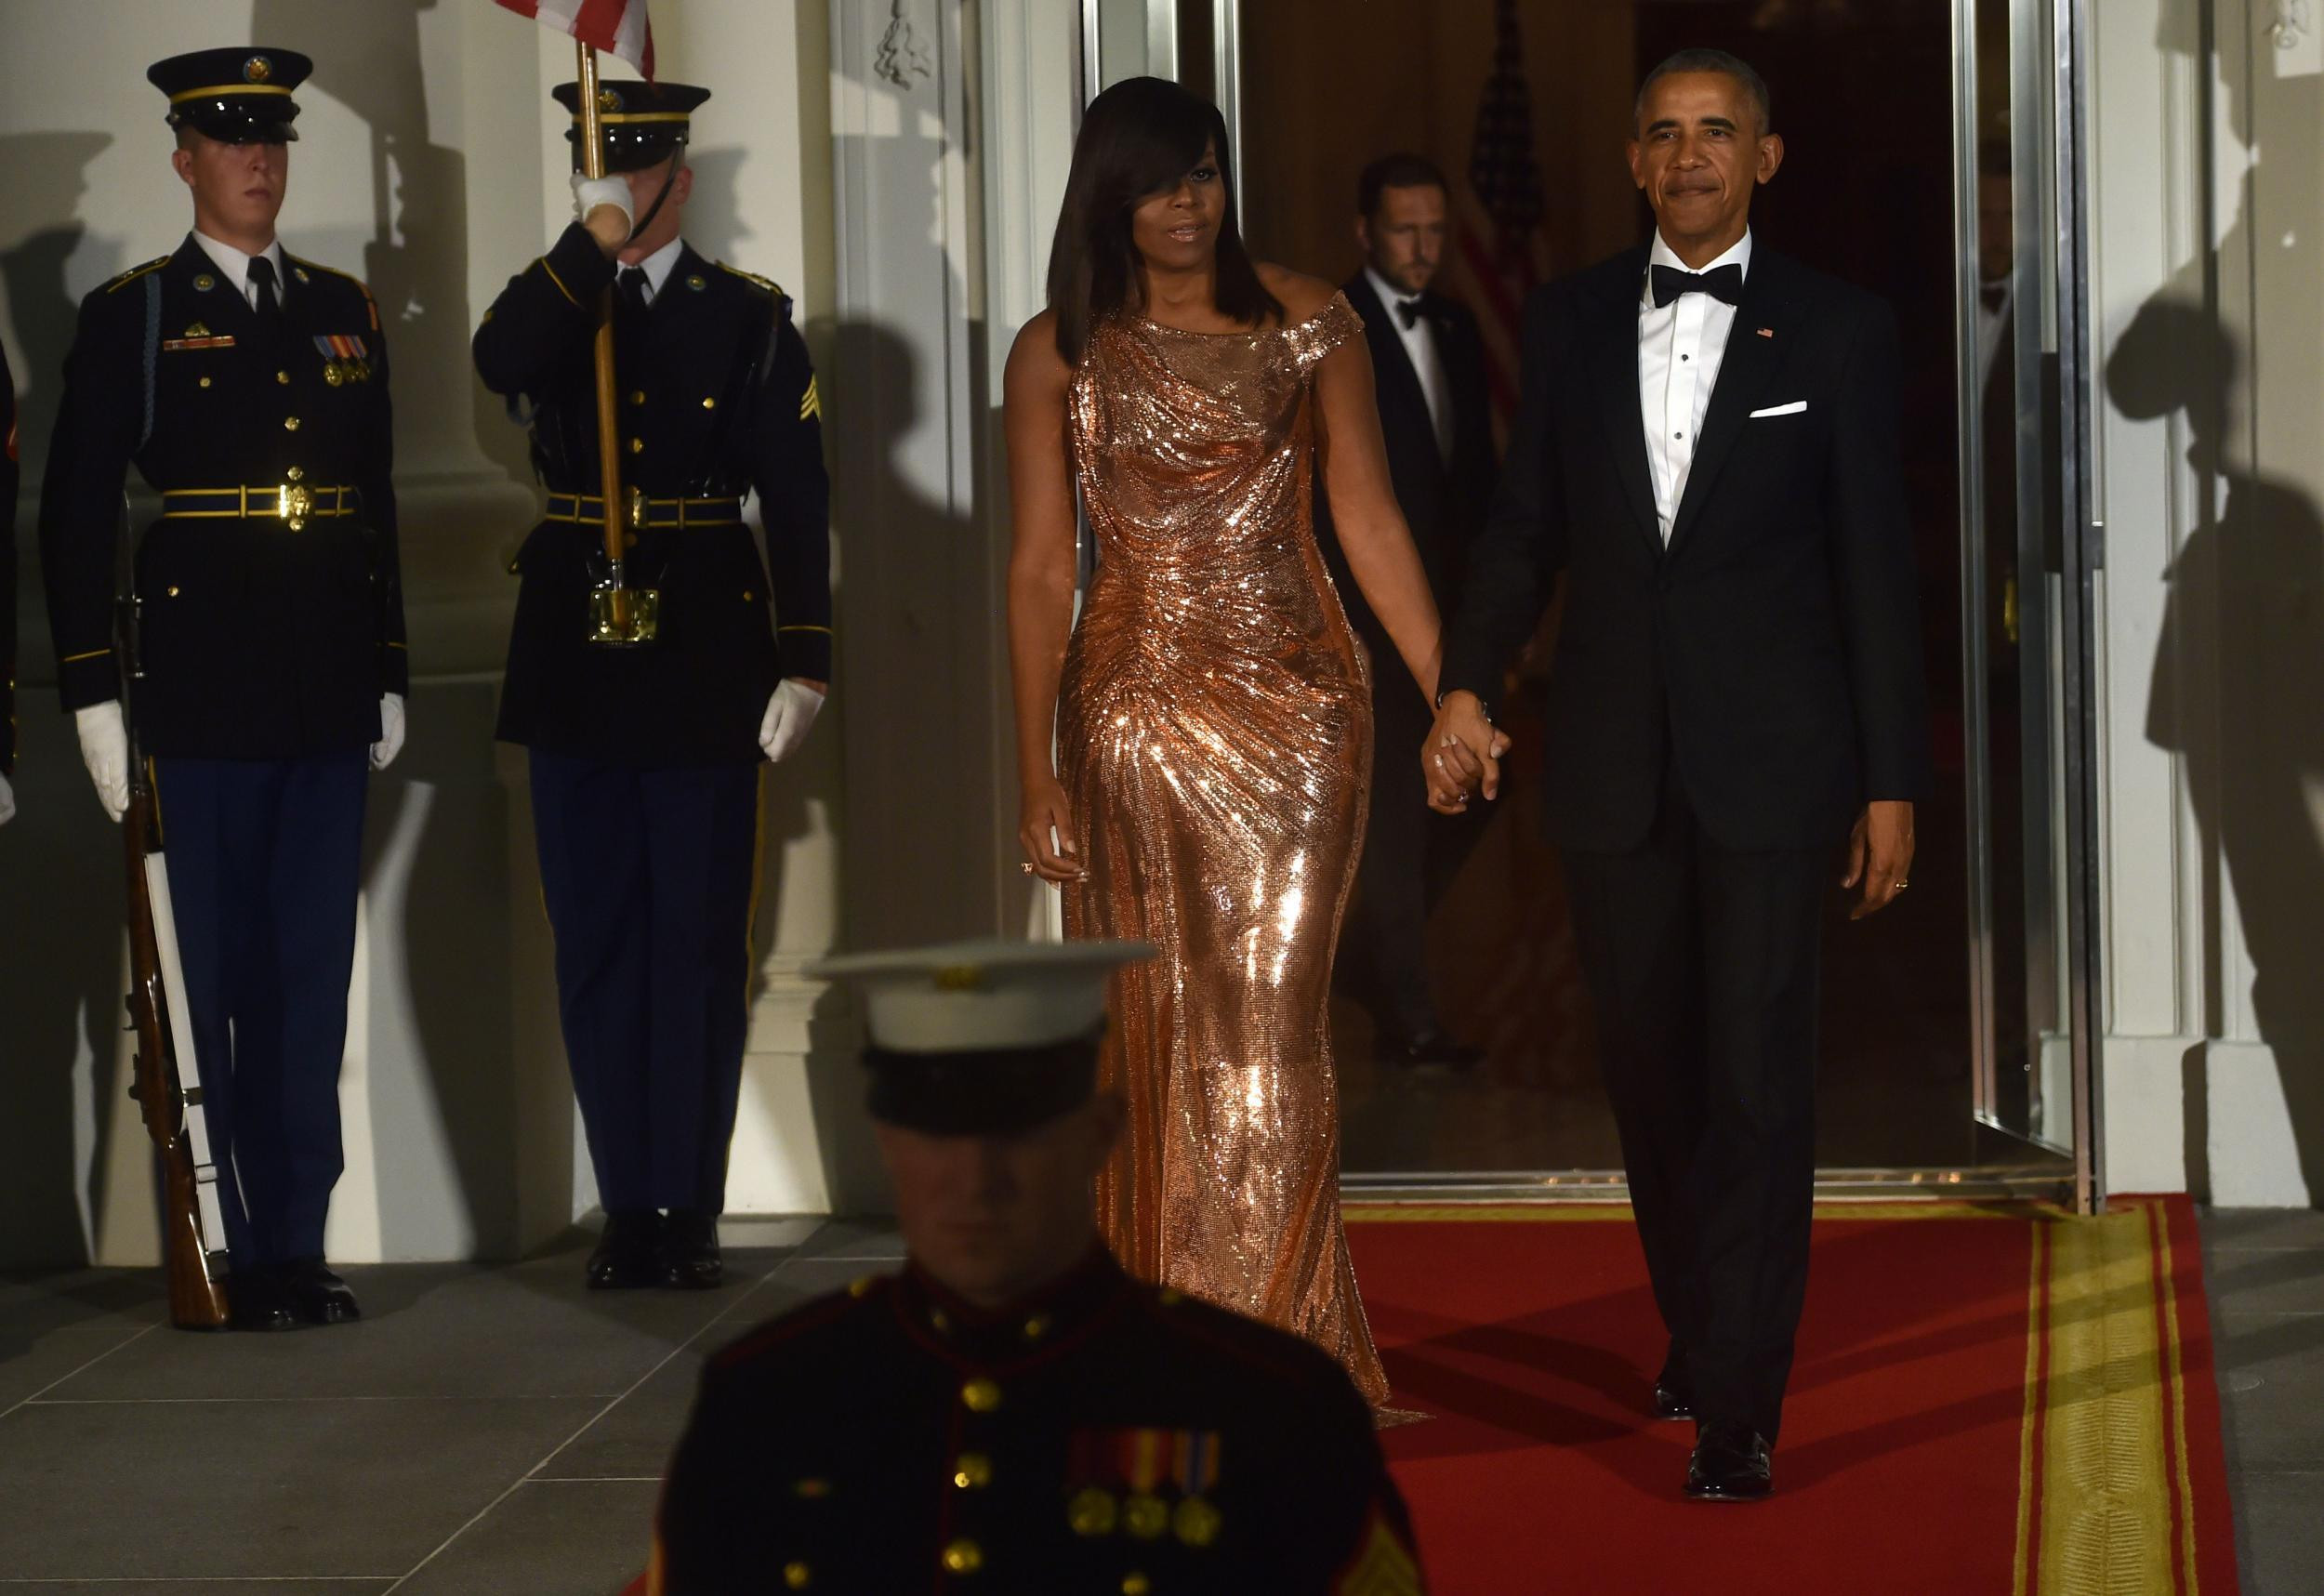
(2211, 322)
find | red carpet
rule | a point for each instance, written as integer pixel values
(1987, 1400)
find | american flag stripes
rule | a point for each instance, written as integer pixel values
(1498, 237)
(617, 27)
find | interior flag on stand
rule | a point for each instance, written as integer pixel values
(1500, 245)
(617, 27)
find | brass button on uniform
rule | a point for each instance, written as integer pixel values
(637, 445)
(797, 1575)
(636, 396)
(1037, 1327)
(981, 1395)
(709, 404)
(963, 1556)
(290, 423)
(283, 376)
(940, 1321)
(970, 1471)
(295, 473)
(205, 382)
(173, 592)
(1135, 1584)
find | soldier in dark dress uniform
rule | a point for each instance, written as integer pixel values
(645, 761)
(249, 386)
(1012, 1412)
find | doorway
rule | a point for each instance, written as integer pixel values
(1923, 142)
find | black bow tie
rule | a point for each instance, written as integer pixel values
(1721, 283)
(1411, 311)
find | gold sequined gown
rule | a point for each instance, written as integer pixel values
(1214, 738)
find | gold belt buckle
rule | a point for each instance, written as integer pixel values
(294, 503)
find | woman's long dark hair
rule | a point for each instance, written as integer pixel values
(1138, 138)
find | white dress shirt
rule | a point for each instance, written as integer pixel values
(1428, 361)
(1679, 349)
(234, 265)
(656, 267)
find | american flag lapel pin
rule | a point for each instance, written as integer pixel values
(1767, 332)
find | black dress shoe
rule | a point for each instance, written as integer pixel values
(1431, 1050)
(254, 1300)
(690, 1250)
(1674, 1392)
(1730, 1465)
(628, 1254)
(316, 1295)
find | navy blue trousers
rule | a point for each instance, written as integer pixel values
(265, 859)
(649, 876)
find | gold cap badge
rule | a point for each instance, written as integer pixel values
(258, 69)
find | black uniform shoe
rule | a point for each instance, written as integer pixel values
(1730, 1465)
(628, 1254)
(254, 1300)
(690, 1250)
(1674, 1392)
(1431, 1050)
(316, 1295)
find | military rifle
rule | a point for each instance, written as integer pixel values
(167, 1084)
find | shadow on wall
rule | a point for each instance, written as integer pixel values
(2239, 694)
(60, 863)
(2239, 678)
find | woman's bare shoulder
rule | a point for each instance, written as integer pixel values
(1302, 296)
(1034, 356)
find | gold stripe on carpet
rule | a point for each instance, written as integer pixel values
(2105, 1500)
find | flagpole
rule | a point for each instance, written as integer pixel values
(618, 616)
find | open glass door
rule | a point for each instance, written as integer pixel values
(2029, 547)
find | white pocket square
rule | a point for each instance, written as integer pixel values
(1793, 408)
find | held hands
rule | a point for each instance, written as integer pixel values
(793, 709)
(603, 206)
(391, 741)
(105, 750)
(1045, 817)
(1879, 855)
(1462, 755)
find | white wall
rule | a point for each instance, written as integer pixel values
(432, 163)
(2209, 302)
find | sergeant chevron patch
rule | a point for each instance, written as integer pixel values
(810, 402)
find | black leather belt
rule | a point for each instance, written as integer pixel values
(294, 503)
(651, 514)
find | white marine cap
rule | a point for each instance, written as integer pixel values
(985, 995)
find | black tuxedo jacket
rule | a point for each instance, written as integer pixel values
(1773, 649)
(1444, 502)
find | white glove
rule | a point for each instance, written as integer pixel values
(591, 192)
(789, 713)
(105, 750)
(391, 741)
(7, 801)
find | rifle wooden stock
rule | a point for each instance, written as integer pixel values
(197, 1300)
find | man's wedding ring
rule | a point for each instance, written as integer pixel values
(1900, 885)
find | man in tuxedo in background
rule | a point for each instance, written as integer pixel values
(1429, 368)
(1736, 703)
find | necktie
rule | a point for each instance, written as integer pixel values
(263, 298)
(1721, 283)
(1408, 311)
(631, 284)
